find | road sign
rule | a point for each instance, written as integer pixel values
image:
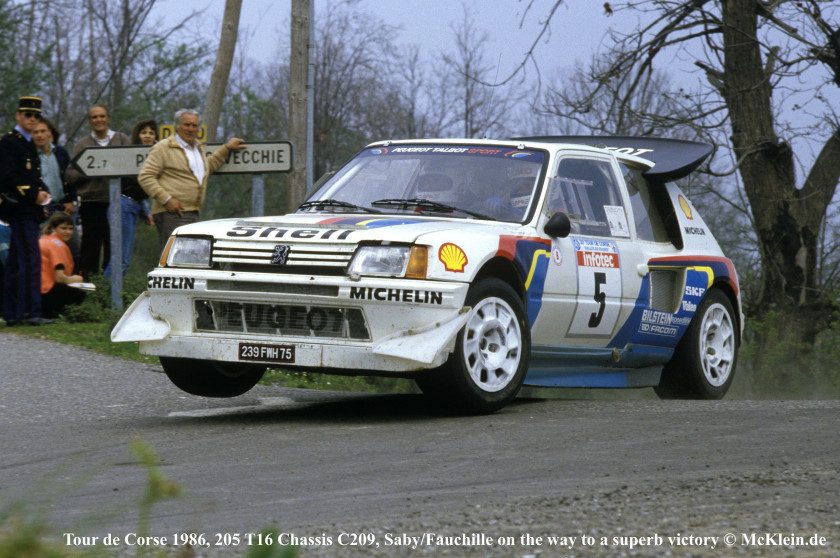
(114, 161)
(167, 130)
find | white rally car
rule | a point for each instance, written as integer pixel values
(471, 266)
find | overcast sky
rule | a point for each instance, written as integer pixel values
(577, 28)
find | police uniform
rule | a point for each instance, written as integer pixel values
(20, 185)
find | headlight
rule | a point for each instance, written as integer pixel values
(190, 251)
(390, 261)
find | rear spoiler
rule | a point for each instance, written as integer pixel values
(673, 159)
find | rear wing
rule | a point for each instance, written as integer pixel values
(673, 159)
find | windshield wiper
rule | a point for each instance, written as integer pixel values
(321, 204)
(405, 203)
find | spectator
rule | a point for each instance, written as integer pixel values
(175, 182)
(54, 161)
(133, 200)
(94, 195)
(57, 266)
(23, 194)
(5, 234)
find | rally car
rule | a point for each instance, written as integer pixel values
(470, 266)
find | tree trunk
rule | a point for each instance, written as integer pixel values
(787, 219)
(298, 76)
(221, 69)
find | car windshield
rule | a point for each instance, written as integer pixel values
(471, 182)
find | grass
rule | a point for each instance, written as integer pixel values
(24, 536)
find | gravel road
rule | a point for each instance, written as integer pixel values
(397, 477)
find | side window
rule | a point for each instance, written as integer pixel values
(587, 191)
(643, 201)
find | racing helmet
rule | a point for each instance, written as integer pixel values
(437, 187)
(521, 179)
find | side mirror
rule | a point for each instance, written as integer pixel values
(558, 226)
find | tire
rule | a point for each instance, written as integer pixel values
(703, 364)
(488, 366)
(209, 378)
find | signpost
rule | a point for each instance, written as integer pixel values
(257, 158)
(118, 161)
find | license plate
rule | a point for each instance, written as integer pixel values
(267, 353)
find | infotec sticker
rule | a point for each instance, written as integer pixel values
(596, 253)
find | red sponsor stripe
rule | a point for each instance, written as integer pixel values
(586, 258)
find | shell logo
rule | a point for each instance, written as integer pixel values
(453, 258)
(685, 207)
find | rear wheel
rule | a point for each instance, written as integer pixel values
(488, 366)
(703, 364)
(209, 378)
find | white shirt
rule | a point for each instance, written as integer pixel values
(103, 142)
(194, 157)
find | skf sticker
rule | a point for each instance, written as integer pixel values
(685, 207)
(453, 258)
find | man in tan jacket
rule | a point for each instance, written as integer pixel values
(175, 174)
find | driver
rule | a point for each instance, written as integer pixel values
(516, 195)
(436, 187)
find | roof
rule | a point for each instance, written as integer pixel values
(672, 158)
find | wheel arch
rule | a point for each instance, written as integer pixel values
(503, 269)
(724, 286)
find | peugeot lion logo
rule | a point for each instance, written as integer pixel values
(280, 255)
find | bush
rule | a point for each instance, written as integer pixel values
(774, 364)
(97, 304)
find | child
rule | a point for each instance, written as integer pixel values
(57, 266)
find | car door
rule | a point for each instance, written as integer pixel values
(593, 278)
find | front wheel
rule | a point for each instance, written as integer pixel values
(703, 364)
(488, 366)
(209, 378)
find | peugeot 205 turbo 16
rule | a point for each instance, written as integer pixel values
(470, 266)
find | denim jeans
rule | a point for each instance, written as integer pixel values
(131, 211)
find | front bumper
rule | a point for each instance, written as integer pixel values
(409, 325)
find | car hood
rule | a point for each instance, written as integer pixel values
(344, 229)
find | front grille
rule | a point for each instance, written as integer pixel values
(273, 288)
(302, 258)
(296, 320)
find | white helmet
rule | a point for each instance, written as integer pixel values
(436, 187)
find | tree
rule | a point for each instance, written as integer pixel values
(21, 76)
(755, 57)
(350, 73)
(221, 69)
(299, 101)
(78, 53)
(482, 107)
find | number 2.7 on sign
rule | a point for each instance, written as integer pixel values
(115, 161)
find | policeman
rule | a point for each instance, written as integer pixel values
(24, 196)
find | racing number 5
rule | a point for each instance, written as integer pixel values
(600, 298)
